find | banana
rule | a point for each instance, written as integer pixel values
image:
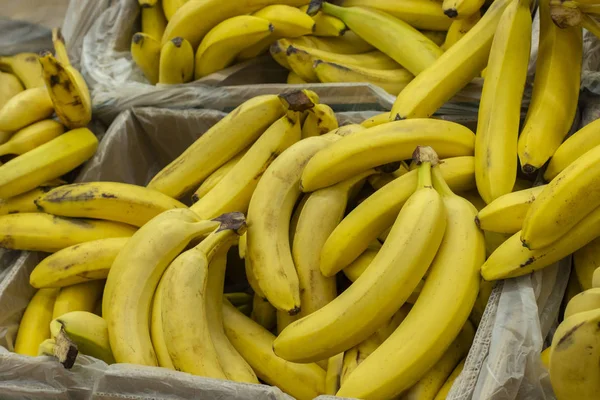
(141, 262)
(596, 278)
(461, 9)
(255, 344)
(194, 19)
(216, 177)
(25, 108)
(219, 144)
(145, 52)
(459, 28)
(234, 191)
(269, 216)
(263, 313)
(376, 120)
(368, 220)
(403, 43)
(326, 25)
(574, 366)
(78, 297)
(25, 203)
(451, 71)
(77, 264)
(442, 394)
(170, 7)
(26, 67)
(154, 21)
(442, 308)
(500, 105)
(587, 300)
(392, 81)
(176, 63)
(63, 349)
(87, 330)
(284, 320)
(349, 43)
(238, 298)
(34, 327)
(415, 238)
(506, 213)
(384, 144)
(574, 147)
(333, 376)
(585, 261)
(157, 333)
(545, 358)
(437, 37)
(319, 120)
(421, 14)
(46, 348)
(10, 86)
(573, 289)
(45, 232)
(294, 79)
(360, 264)
(112, 201)
(31, 137)
(184, 297)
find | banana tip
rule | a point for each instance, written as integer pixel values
(528, 169)
(451, 12)
(294, 311)
(525, 244)
(477, 222)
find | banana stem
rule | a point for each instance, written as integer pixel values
(426, 158)
(232, 226)
(439, 183)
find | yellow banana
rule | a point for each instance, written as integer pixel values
(31, 137)
(284, 320)
(269, 216)
(319, 120)
(506, 213)
(145, 52)
(263, 313)
(360, 264)
(409, 47)
(141, 263)
(451, 71)
(77, 264)
(459, 28)
(326, 25)
(218, 145)
(216, 177)
(34, 327)
(25, 203)
(26, 67)
(437, 37)
(45, 232)
(234, 191)
(176, 64)
(556, 88)
(587, 300)
(25, 108)
(442, 394)
(384, 144)
(544, 356)
(112, 201)
(170, 7)
(87, 330)
(78, 297)
(294, 79)
(585, 261)
(157, 333)
(351, 317)
(368, 220)
(349, 43)
(333, 376)
(376, 120)
(461, 9)
(154, 21)
(442, 308)
(10, 86)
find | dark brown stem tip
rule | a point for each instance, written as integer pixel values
(477, 222)
(425, 154)
(177, 41)
(294, 311)
(451, 13)
(195, 198)
(314, 7)
(65, 349)
(389, 167)
(298, 100)
(236, 221)
(138, 38)
(528, 169)
(525, 244)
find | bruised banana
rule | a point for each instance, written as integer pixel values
(145, 52)
(34, 327)
(31, 137)
(153, 21)
(585, 261)
(112, 201)
(25, 203)
(10, 86)
(25, 108)
(78, 297)
(216, 177)
(176, 63)
(319, 120)
(26, 67)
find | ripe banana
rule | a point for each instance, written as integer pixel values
(451, 71)
(141, 262)
(506, 213)
(255, 344)
(10, 86)
(88, 331)
(153, 21)
(34, 327)
(379, 181)
(384, 144)
(442, 308)
(587, 300)
(263, 313)
(234, 191)
(216, 177)
(284, 320)
(79, 297)
(319, 120)
(373, 216)
(25, 203)
(45, 232)
(26, 67)
(326, 25)
(544, 356)
(409, 47)
(294, 79)
(145, 52)
(333, 376)
(25, 108)
(170, 7)
(392, 81)
(360, 264)
(218, 145)
(269, 216)
(238, 298)
(442, 394)
(376, 120)
(585, 261)
(437, 37)
(349, 43)
(77, 264)
(31, 137)
(415, 238)
(112, 201)
(461, 9)
(176, 63)
(157, 333)
(555, 92)
(459, 28)
(421, 14)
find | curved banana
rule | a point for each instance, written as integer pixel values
(360, 264)
(238, 298)
(544, 356)
(78, 297)
(284, 320)
(219, 144)
(384, 144)
(349, 43)
(442, 308)
(176, 63)
(279, 54)
(587, 300)
(213, 179)
(145, 52)
(382, 289)
(154, 21)
(26, 67)
(506, 213)
(294, 79)
(263, 313)
(88, 331)
(34, 327)
(269, 216)
(437, 37)
(333, 376)
(157, 333)
(326, 25)
(25, 203)
(556, 87)
(319, 120)
(255, 344)
(442, 394)
(392, 81)
(141, 262)
(585, 261)
(25, 108)
(459, 28)
(376, 120)
(452, 70)
(373, 216)
(10, 86)
(31, 137)
(409, 47)
(234, 191)
(112, 201)
(77, 264)
(461, 9)
(170, 7)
